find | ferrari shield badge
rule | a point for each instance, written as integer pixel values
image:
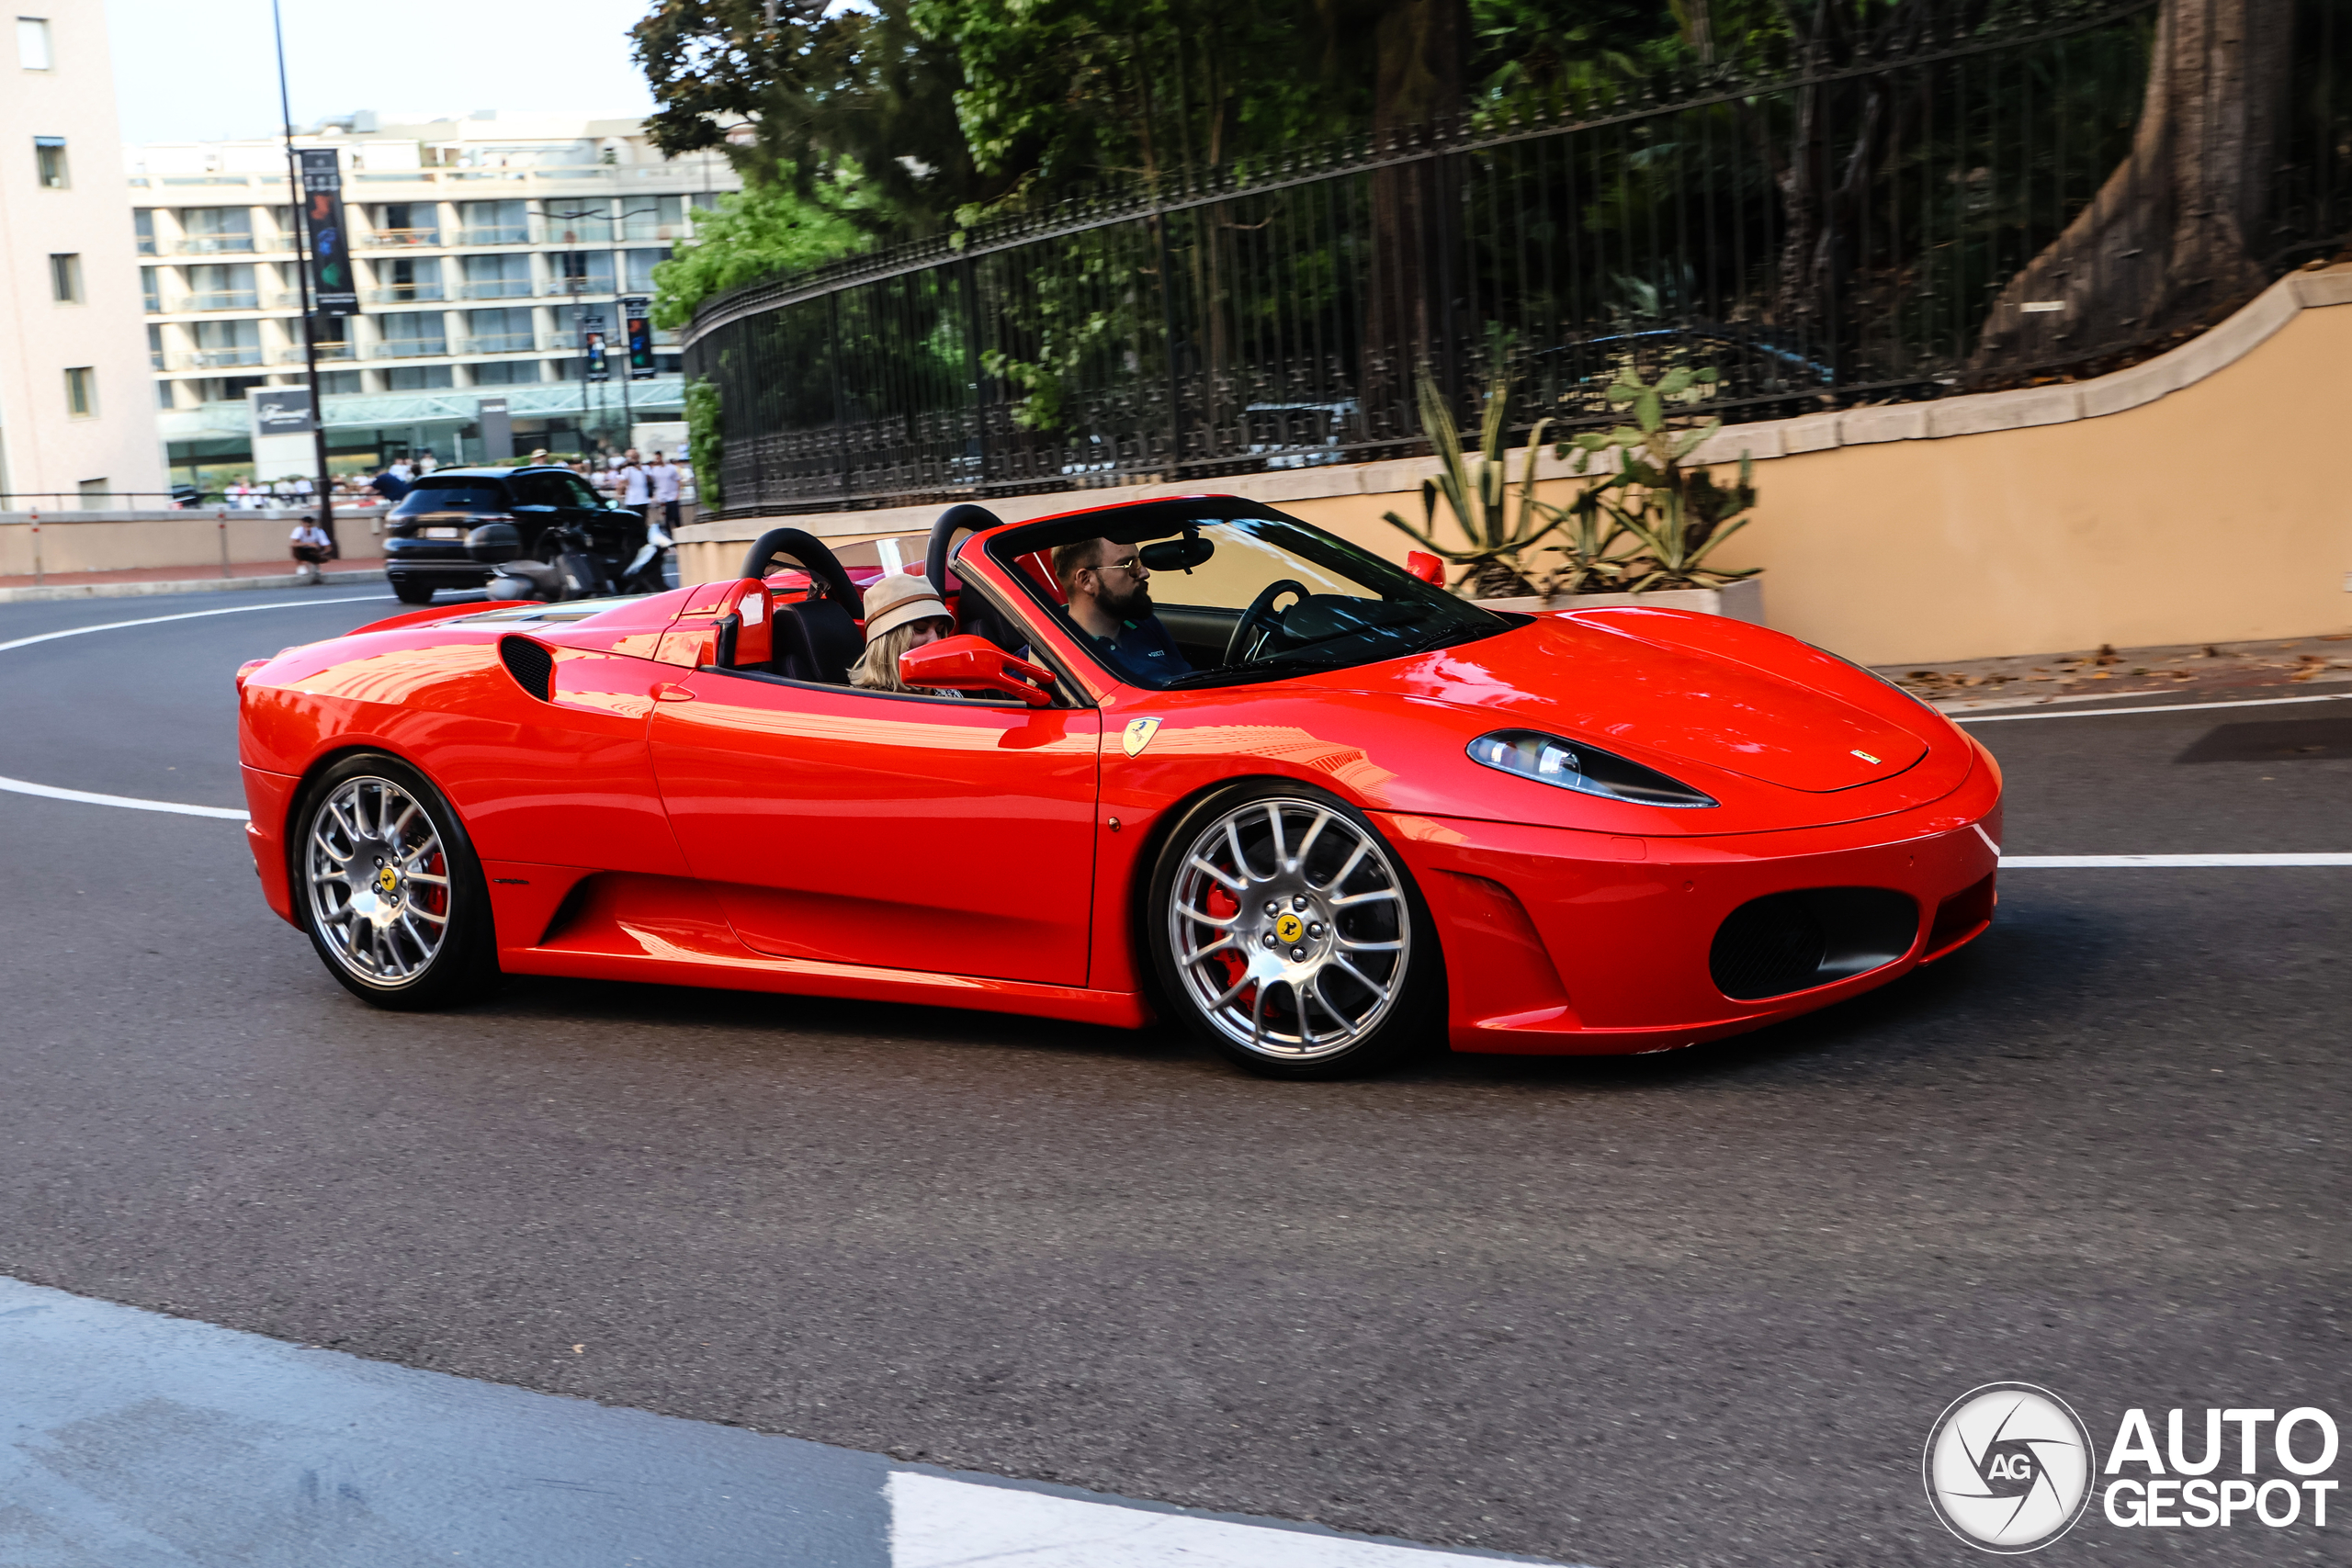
(1139, 734)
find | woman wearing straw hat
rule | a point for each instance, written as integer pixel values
(902, 611)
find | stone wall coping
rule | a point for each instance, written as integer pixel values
(1975, 413)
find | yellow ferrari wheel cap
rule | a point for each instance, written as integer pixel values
(388, 881)
(1289, 929)
(1139, 734)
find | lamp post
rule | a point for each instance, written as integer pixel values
(302, 252)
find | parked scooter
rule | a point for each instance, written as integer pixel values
(573, 567)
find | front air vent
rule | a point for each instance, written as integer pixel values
(532, 666)
(1793, 942)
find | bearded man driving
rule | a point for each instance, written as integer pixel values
(1109, 592)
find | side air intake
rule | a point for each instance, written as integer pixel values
(532, 666)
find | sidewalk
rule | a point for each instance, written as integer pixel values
(146, 581)
(2191, 672)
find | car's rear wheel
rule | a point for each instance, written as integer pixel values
(409, 592)
(1288, 935)
(390, 892)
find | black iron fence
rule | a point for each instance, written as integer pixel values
(1828, 220)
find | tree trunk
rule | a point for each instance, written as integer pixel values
(1418, 48)
(2175, 237)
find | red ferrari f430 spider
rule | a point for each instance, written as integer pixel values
(1302, 800)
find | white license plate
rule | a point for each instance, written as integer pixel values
(443, 533)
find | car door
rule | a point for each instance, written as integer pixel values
(903, 833)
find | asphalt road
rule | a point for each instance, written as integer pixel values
(1690, 1309)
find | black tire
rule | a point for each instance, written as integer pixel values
(411, 592)
(418, 939)
(1355, 952)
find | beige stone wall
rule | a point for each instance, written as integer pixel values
(123, 541)
(2183, 500)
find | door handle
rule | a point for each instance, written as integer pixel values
(670, 692)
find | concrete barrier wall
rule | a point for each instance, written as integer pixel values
(124, 541)
(2187, 500)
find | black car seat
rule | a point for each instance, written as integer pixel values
(974, 614)
(818, 638)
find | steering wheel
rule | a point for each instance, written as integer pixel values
(1261, 609)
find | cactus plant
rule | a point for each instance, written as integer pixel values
(1677, 515)
(1478, 492)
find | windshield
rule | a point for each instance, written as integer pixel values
(452, 495)
(1207, 595)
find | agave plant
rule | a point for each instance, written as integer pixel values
(1676, 516)
(1500, 526)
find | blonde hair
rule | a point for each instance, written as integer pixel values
(877, 669)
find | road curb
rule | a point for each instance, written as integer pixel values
(176, 585)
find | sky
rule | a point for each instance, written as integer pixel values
(197, 70)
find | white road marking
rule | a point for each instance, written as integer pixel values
(51, 792)
(939, 1523)
(2045, 862)
(2160, 708)
(86, 797)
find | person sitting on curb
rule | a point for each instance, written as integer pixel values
(313, 549)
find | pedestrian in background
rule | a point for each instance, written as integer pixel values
(312, 549)
(636, 491)
(665, 479)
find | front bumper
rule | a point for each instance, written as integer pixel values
(1564, 942)
(443, 562)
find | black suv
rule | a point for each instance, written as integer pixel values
(424, 543)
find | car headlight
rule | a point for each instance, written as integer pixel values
(1572, 765)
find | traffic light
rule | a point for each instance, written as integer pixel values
(591, 345)
(636, 316)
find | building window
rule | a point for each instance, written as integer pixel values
(151, 290)
(65, 279)
(95, 493)
(163, 398)
(142, 219)
(582, 272)
(502, 276)
(338, 381)
(498, 332)
(408, 278)
(32, 43)
(506, 373)
(81, 393)
(416, 378)
(48, 160)
(412, 335)
(213, 229)
(493, 222)
(222, 286)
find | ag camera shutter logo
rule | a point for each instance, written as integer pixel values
(2009, 1467)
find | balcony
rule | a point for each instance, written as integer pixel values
(409, 349)
(495, 234)
(222, 299)
(500, 343)
(398, 239)
(496, 288)
(212, 358)
(404, 294)
(209, 245)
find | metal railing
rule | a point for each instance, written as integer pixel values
(403, 294)
(495, 234)
(1824, 223)
(496, 288)
(398, 239)
(211, 358)
(208, 245)
(408, 348)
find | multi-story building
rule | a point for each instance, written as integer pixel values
(480, 244)
(77, 420)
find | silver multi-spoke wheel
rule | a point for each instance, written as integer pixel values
(379, 880)
(1290, 928)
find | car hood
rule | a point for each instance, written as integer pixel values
(1673, 684)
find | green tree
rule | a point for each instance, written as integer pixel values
(752, 233)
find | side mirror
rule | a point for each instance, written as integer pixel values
(1426, 567)
(975, 664)
(746, 630)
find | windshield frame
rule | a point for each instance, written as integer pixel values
(1141, 522)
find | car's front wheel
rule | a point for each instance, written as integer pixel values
(390, 890)
(1288, 935)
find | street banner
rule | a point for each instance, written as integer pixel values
(334, 291)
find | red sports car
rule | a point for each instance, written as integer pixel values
(1298, 797)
